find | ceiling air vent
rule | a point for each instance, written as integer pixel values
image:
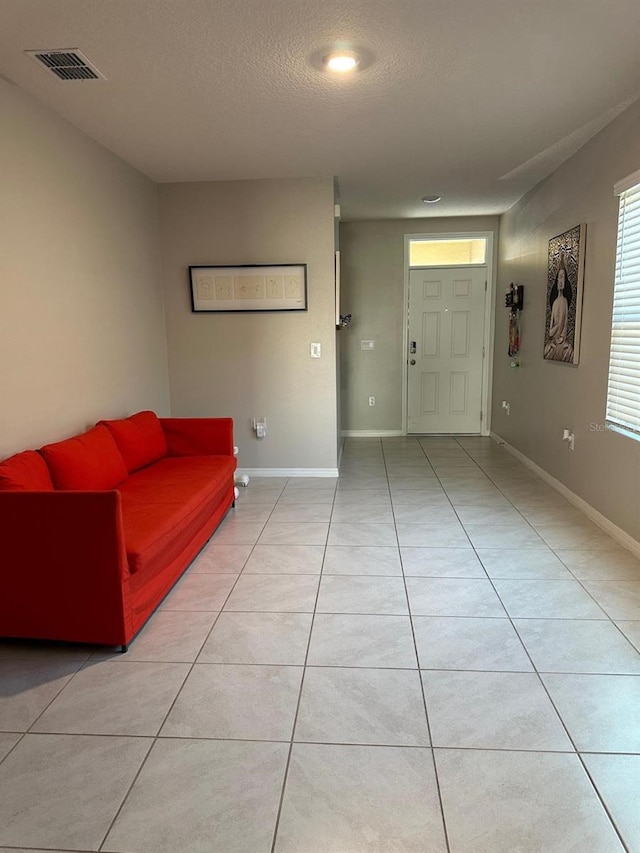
(67, 64)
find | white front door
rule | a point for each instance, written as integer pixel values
(446, 338)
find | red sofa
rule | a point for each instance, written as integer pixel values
(95, 530)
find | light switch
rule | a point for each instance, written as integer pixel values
(367, 344)
(316, 350)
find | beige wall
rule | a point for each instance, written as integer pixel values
(373, 291)
(545, 396)
(82, 332)
(250, 365)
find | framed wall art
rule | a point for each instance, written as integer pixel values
(260, 287)
(565, 276)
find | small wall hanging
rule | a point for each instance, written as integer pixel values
(514, 301)
(565, 275)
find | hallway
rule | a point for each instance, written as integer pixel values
(434, 653)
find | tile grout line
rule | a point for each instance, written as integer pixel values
(602, 802)
(631, 675)
(387, 577)
(43, 850)
(352, 743)
(21, 736)
(304, 670)
(622, 633)
(422, 690)
(82, 666)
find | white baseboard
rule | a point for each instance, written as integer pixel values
(371, 433)
(598, 518)
(289, 472)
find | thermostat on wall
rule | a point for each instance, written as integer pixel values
(367, 344)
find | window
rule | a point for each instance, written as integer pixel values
(623, 395)
(447, 252)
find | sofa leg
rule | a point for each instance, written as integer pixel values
(233, 505)
(124, 648)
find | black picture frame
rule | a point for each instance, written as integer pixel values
(247, 288)
(565, 285)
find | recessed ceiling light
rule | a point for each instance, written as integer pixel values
(341, 60)
(431, 199)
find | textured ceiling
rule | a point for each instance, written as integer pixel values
(476, 100)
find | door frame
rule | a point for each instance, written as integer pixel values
(489, 313)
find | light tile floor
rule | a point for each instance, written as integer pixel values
(434, 653)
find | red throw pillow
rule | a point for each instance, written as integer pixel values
(140, 439)
(90, 461)
(25, 472)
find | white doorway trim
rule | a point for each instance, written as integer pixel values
(489, 312)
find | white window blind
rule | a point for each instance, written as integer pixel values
(623, 395)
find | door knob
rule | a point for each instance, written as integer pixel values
(413, 361)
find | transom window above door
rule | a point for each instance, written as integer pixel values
(447, 252)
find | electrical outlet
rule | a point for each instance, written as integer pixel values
(372, 401)
(507, 407)
(260, 427)
(315, 350)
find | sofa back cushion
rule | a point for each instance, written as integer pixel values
(90, 461)
(25, 472)
(140, 439)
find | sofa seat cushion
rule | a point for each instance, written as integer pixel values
(140, 439)
(181, 469)
(25, 472)
(161, 511)
(87, 462)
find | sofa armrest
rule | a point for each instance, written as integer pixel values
(198, 436)
(64, 566)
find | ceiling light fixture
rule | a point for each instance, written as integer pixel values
(431, 199)
(341, 60)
